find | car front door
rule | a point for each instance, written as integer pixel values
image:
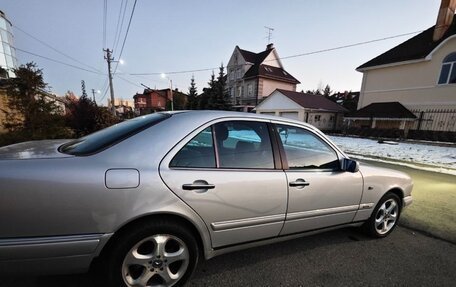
(226, 172)
(320, 193)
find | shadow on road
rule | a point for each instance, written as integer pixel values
(228, 262)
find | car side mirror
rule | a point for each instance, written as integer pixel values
(349, 165)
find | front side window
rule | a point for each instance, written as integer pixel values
(199, 152)
(243, 144)
(305, 150)
(448, 71)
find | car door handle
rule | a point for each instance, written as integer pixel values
(299, 183)
(198, 184)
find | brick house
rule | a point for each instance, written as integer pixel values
(152, 101)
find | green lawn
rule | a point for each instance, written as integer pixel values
(434, 202)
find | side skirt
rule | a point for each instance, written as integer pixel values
(241, 246)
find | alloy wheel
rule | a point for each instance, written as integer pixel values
(386, 216)
(158, 260)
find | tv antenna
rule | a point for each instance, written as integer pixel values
(270, 29)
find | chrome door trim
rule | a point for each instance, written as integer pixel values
(50, 247)
(321, 212)
(247, 222)
(50, 239)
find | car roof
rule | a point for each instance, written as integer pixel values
(221, 114)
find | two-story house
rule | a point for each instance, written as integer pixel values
(253, 76)
(413, 85)
(152, 101)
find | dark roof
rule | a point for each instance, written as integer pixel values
(255, 58)
(162, 92)
(270, 72)
(312, 101)
(415, 48)
(389, 110)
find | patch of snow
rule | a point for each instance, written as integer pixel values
(433, 157)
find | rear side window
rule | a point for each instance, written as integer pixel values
(199, 152)
(107, 137)
(232, 144)
(244, 144)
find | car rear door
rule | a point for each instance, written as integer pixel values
(320, 193)
(226, 172)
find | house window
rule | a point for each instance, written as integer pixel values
(250, 90)
(448, 71)
(240, 91)
(317, 118)
(331, 118)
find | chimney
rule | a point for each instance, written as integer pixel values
(444, 19)
(269, 46)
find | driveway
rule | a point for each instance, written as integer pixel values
(434, 202)
(337, 258)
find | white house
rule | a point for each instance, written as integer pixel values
(316, 110)
(420, 74)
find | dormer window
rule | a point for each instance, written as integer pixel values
(448, 71)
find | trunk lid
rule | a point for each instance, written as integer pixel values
(43, 149)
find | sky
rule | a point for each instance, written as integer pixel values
(177, 35)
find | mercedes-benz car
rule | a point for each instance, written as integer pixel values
(147, 198)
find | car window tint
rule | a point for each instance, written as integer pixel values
(305, 150)
(100, 140)
(243, 144)
(199, 152)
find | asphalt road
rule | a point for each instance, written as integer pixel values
(338, 258)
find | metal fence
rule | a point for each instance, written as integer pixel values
(435, 120)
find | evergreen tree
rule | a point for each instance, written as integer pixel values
(327, 92)
(32, 112)
(206, 99)
(192, 101)
(222, 101)
(85, 117)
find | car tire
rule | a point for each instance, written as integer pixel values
(158, 253)
(385, 216)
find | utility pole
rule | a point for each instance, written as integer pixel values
(93, 93)
(109, 59)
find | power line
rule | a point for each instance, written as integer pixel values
(59, 62)
(126, 35)
(122, 78)
(128, 81)
(173, 72)
(119, 28)
(54, 49)
(286, 57)
(350, 45)
(105, 16)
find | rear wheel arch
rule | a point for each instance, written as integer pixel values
(173, 218)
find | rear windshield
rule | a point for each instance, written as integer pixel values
(100, 140)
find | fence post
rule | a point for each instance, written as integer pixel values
(420, 120)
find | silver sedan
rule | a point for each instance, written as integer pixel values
(143, 200)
